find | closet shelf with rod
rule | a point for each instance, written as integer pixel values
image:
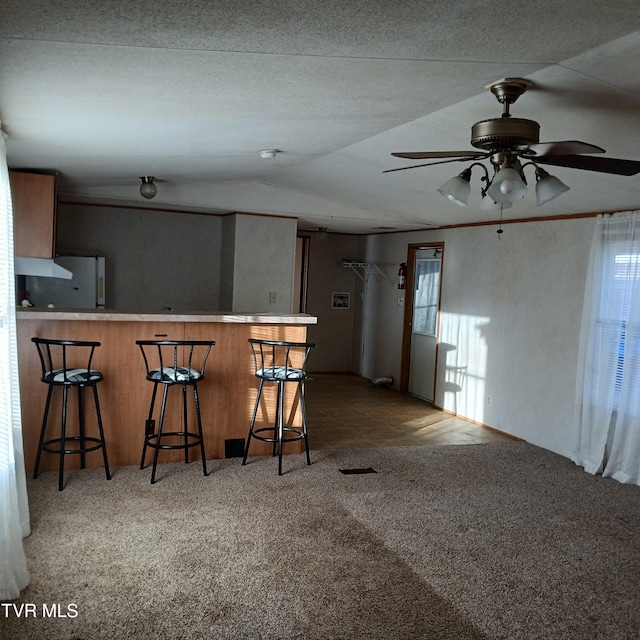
(365, 269)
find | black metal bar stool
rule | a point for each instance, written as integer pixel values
(171, 363)
(66, 364)
(279, 362)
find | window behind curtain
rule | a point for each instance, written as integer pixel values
(620, 277)
(608, 377)
(14, 508)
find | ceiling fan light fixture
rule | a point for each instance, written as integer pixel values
(489, 204)
(457, 189)
(148, 189)
(507, 186)
(509, 142)
(548, 187)
(321, 233)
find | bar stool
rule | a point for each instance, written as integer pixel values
(171, 363)
(67, 364)
(279, 362)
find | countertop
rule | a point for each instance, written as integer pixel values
(36, 313)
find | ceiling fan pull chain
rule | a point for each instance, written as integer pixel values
(500, 230)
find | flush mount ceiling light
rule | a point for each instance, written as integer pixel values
(268, 154)
(507, 143)
(321, 233)
(148, 189)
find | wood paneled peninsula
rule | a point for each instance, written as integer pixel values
(227, 394)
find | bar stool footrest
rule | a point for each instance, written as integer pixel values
(301, 435)
(152, 440)
(59, 451)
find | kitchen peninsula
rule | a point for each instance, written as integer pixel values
(227, 394)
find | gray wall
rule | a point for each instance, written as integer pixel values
(263, 264)
(186, 261)
(227, 256)
(337, 332)
(154, 259)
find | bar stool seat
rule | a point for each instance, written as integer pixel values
(59, 360)
(171, 363)
(279, 362)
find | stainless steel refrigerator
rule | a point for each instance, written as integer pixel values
(85, 289)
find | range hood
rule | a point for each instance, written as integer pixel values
(40, 267)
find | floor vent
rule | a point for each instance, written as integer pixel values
(349, 472)
(234, 448)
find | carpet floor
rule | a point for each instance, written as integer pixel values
(484, 541)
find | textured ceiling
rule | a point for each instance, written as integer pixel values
(190, 92)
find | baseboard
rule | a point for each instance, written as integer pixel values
(480, 424)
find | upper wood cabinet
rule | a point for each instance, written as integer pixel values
(34, 208)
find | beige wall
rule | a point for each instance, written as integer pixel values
(511, 313)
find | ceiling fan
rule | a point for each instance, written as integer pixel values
(511, 144)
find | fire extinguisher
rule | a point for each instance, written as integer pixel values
(402, 275)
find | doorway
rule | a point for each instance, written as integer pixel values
(300, 275)
(422, 307)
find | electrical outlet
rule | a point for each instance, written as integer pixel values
(489, 400)
(273, 297)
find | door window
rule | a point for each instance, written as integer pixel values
(425, 303)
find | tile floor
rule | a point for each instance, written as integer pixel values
(346, 411)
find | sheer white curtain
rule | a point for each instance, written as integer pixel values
(14, 510)
(608, 384)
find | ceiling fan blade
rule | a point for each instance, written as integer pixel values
(562, 148)
(428, 164)
(423, 155)
(603, 165)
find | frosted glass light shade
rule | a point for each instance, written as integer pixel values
(148, 189)
(457, 189)
(490, 204)
(507, 186)
(548, 187)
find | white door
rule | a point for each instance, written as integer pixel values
(424, 325)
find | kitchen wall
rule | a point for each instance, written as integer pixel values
(511, 310)
(185, 261)
(227, 257)
(154, 259)
(263, 262)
